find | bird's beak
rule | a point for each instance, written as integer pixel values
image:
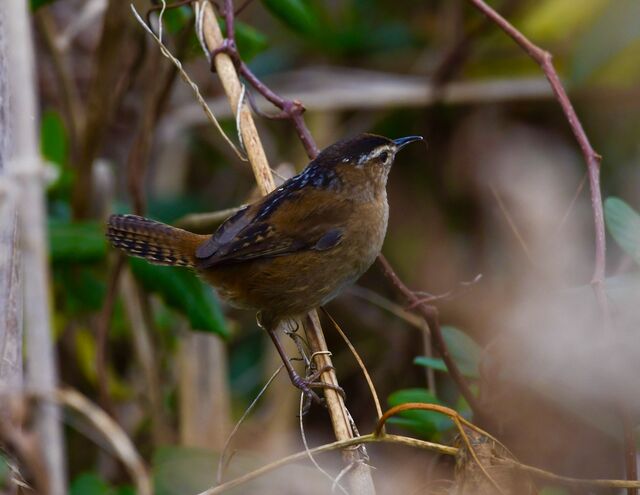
(403, 141)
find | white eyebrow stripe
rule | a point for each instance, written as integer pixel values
(378, 151)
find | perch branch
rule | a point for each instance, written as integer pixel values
(592, 159)
(209, 31)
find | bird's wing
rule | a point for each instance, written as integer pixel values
(284, 222)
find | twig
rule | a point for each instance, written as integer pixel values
(571, 203)
(291, 109)
(365, 372)
(592, 159)
(206, 220)
(190, 82)
(512, 224)
(308, 451)
(430, 315)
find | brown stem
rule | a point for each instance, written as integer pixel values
(291, 109)
(430, 315)
(593, 159)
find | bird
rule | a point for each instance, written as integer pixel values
(294, 249)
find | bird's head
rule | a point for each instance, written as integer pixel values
(364, 158)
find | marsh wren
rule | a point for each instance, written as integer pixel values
(294, 249)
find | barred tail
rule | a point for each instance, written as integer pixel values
(156, 242)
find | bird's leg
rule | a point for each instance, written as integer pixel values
(304, 384)
(312, 374)
(295, 378)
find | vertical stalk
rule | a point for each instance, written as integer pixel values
(26, 167)
(10, 292)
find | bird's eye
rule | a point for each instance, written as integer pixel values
(384, 156)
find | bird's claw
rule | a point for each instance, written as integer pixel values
(306, 385)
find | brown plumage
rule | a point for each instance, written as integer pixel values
(294, 249)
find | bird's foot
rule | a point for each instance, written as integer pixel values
(306, 385)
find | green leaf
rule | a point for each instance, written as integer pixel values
(613, 31)
(53, 138)
(623, 224)
(76, 241)
(427, 424)
(295, 14)
(464, 351)
(182, 290)
(89, 484)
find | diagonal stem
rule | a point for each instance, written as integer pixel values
(430, 315)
